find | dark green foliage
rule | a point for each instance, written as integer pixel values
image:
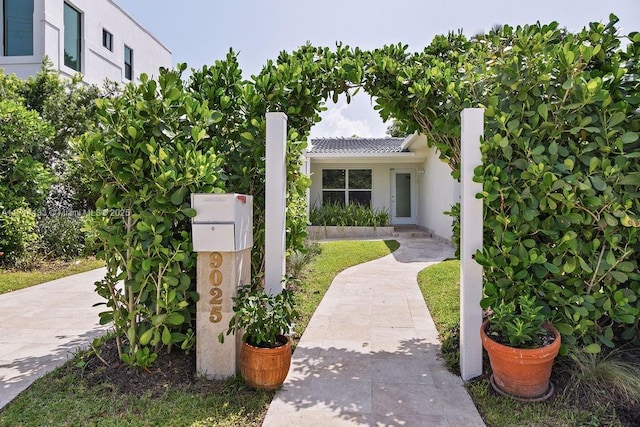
(560, 181)
(165, 139)
(261, 316)
(518, 324)
(17, 235)
(38, 117)
(561, 177)
(349, 215)
(151, 151)
(68, 105)
(24, 180)
(61, 236)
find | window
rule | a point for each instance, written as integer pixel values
(17, 28)
(346, 186)
(72, 37)
(128, 63)
(107, 39)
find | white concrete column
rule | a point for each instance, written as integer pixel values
(470, 242)
(275, 203)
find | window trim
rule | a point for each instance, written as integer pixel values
(128, 66)
(107, 36)
(79, 42)
(347, 189)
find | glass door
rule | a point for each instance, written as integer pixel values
(402, 197)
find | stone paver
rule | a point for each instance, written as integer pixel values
(370, 354)
(42, 326)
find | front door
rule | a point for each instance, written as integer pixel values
(403, 209)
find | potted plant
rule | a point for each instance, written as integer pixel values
(264, 320)
(522, 346)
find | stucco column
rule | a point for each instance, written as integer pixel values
(275, 203)
(470, 241)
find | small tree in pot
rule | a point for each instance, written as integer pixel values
(522, 346)
(264, 320)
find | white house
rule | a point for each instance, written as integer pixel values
(401, 175)
(94, 37)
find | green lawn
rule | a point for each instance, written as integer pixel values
(14, 280)
(440, 286)
(66, 397)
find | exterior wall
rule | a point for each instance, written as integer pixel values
(381, 181)
(438, 191)
(98, 63)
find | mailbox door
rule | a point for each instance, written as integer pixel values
(214, 238)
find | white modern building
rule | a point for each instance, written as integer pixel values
(93, 37)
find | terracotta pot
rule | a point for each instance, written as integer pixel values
(521, 372)
(265, 368)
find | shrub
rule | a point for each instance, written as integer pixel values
(165, 139)
(151, 152)
(560, 179)
(24, 181)
(17, 235)
(61, 236)
(351, 215)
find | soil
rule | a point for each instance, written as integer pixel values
(176, 369)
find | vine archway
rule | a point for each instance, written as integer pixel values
(560, 180)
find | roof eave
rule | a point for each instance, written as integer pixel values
(409, 140)
(361, 158)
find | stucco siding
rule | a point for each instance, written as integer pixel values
(97, 62)
(381, 181)
(438, 191)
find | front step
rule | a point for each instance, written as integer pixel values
(411, 231)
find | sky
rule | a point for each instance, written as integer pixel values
(198, 32)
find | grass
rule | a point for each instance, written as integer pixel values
(65, 397)
(440, 286)
(14, 280)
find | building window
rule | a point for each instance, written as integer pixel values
(17, 27)
(72, 37)
(107, 39)
(346, 186)
(128, 63)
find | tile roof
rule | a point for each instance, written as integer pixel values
(356, 145)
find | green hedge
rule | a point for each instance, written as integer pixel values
(561, 179)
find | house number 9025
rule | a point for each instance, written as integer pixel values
(215, 280)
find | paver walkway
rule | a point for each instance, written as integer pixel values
(42, 326)
(369, 356)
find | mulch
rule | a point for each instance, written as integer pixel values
(173, 369)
